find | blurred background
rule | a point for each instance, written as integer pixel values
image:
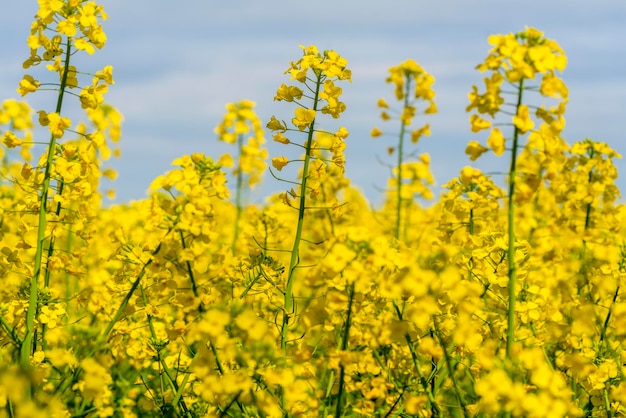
(177, 64)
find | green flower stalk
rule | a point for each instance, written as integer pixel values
(517, 58)
(412, 83)
(249, 162)
(75, 26)
(317, 72)
(27, 343)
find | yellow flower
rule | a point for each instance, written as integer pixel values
(496, 141)
(522, 120)
(553, 86)
(431, 109)
(279, 137)
(276, 125)
(279, 162)
(106, 75)
(407, 115)
(226, 160)
(304, 117)
(288, 93)
(28, 85)
(478, 123)
(475, 150)
(10, 140)
(252, 324)
(93, 96)
(67, 27)
(418, 133)
(342, 133)
(376, 132)
(84, 45)
(57, 124)
(213, 322)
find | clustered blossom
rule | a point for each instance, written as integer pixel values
(412, 83)
(518, 59)
(239, 121)
(409, 179)
(317, 73)
(54, 201)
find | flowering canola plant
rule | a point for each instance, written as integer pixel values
(492, 301)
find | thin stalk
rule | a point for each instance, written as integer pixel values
(238, 194)
(46, 282)
(194, 286)
(344, 346)
(423, 381)
(220, 369)
(9, 330)
(588, 208)
(295, 252)
(52, 241)
(27, 342)
(510, 335)
(608, 316)
(455, 383)
(418, 368)
(125, 301)
(68, 282)
(607, 403)
(171, 380)
(401, 160)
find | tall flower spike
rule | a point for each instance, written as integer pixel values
(67, 176)
(318, 74)
(519, 59)
(412, 86)
(240, 121)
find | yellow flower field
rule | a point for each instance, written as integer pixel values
(489, 301)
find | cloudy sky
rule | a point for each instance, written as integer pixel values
(176, 65)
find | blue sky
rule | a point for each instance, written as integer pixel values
(177, 64)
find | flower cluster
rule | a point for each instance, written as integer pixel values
(518, 59)
(240, 120)
(409, 179)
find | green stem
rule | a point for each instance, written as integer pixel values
(607, 403)
(418, 367)
(194, 286)
(510, 339)
(455, 383)
(605, 325)
(10, 331)
(46, 282)
(52, 241)
(27, 342)
(295, 252)
(171, 380)
(69, 283)
(344, 346)
(220, 369)
(238, 195)
(422, 378)
(401, 160)
(122, 307)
